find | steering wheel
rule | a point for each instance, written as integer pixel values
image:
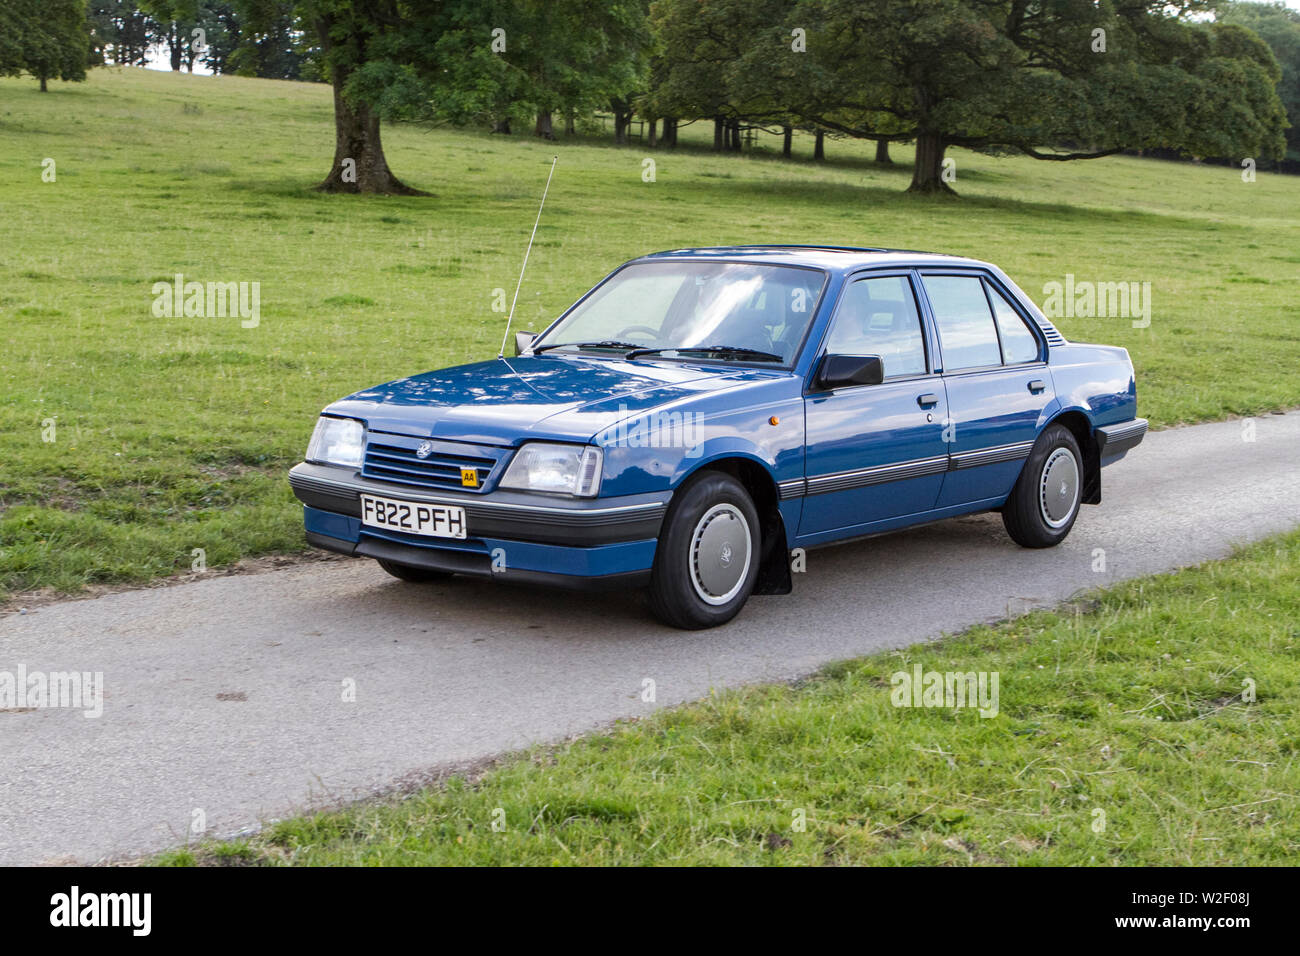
(638, 330)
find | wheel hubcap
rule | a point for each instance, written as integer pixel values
(1058, 491)
(720, 554)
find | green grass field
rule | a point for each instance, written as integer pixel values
(173, 434)
(1154, 725)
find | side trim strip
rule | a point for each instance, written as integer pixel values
(793, 488)
(878, 475)
(992, 455)
(917, 468)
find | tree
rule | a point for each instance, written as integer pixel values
(1279, 27)
(177, 20)
(120, 33)
(1059, 80)
(354, 37)
(724, 60)
(367, 48)
(219, 22)
(48, 39)
(620, 66)
(548, 56)
(277, 49)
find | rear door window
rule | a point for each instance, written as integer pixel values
(967, 335)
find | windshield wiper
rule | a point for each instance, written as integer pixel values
(736, 351)
(607, 344)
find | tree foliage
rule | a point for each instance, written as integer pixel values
(1055, 79)
(47, 39)
(1279, 27)
(121, 33)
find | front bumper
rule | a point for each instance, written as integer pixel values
(512, 536)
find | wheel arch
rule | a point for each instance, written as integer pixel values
(1081, 427)
(757, 479)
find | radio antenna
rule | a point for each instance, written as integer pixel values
(511, 316)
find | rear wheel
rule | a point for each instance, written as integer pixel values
(707, 560)
(1044, 504)
(407, 572)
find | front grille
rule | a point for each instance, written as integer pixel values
(393, 458)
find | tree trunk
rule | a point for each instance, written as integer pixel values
(735, 136)
(622, 120)
(570, 122)
(719, 130)
(502, 126)
(653, 140)
(882, 152)
(543, 126)
(787, 140)
(670, 133)
(927, 171)
(359, 163)
(44, 86)
(174, 45)
(819, 148)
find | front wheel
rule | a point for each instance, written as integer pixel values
(707, 560)
(1045, 501)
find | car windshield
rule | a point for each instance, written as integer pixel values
(741, 311)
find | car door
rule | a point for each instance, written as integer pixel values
(996, 380)
(874, 452)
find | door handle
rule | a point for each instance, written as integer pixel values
(928, 400)
(1037, 385)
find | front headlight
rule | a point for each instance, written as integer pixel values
(559, 469)
(337, 441)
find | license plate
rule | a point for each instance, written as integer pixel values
(413, 517)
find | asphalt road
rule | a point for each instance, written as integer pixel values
(224, 699)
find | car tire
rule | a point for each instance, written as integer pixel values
(700, 578)
(1045, 502)
(407, 572)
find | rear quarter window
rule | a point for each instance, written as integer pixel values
(1018, 343)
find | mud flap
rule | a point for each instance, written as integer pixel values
(774, 563)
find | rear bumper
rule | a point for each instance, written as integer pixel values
(1114, 440)
(587, 545)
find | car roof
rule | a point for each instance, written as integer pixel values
(833, 258)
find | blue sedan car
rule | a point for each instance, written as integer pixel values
(701, 413)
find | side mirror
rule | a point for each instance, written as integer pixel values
(523, 340)
(838, 371)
